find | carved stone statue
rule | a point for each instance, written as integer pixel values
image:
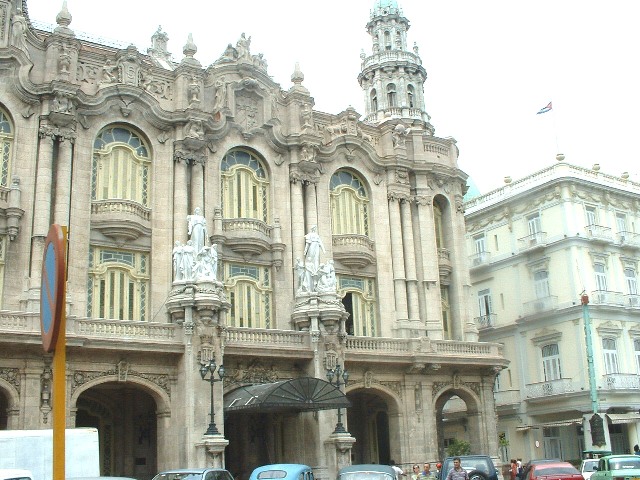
(178, 267)
(109, 73)
(304, 277)
(220, 99)
(207, 263)
(194, 129)
(188, 259)
(326, 278)
(242, 47)
(313, 245)
(197, 230)
(19, 31)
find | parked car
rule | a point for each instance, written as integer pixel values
(479, 467)
(617, 466)
(557, 470)
(526, 468)
(15, 474)
(195, 474)
(282, 471)
(588, 466)
(367, 472)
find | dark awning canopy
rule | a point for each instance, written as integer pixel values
(297, 395)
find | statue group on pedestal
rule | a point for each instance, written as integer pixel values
(312, 275)
(195, 260)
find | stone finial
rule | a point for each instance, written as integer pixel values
(63, 19)
(189, 51)
(297, 77)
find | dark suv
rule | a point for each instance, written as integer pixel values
(479, 467)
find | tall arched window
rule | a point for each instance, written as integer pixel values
(250, 295)
(245, 186)
(437, 217)
(121, 166)
(447, 326)
(359, 300)
(410, 96)
(391, 95)
(374, 100)
(349, 204)
(6, 146)
(387, 40)
(118, 284)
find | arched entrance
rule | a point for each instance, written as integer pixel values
(372, 420)
(458, 418)
(4, 410)
(125, 416)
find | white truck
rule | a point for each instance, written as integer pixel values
(33, 450)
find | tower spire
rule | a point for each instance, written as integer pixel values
(392, 77)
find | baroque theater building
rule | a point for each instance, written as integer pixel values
(215, 218)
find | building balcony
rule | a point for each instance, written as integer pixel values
(606, 297)
(535, 241)
(548, 389)
(444, 262)
(540, 305)
(246, 236)
(620, 381)
(354, 251)
(632, 301)
(486, 321)
(122, 220)
(507, 397)
(629, 240)
(480, 259)
(599, 233)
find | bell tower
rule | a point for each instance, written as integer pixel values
(392, 77)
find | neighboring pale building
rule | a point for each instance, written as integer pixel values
(213, 215)
(537, 244)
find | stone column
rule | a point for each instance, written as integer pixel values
(399, 285)
(429, 292)
(310, 205)
(180, 199)
(63, 181)
(409, 260)
(42, 203)
(297, 215)
(197, 187)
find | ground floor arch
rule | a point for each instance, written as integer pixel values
(125, 416)
(373, 420)
(459, 417)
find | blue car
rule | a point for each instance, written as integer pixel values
(282, 471)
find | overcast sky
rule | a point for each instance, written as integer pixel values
(491, 66)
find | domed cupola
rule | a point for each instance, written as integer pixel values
(392, 77)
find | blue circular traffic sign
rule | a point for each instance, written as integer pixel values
(52, 286)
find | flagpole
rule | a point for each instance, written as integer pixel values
(555, 132)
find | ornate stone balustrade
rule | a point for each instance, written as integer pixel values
(120, 329)
(377, 345)
(254, 337)
(456, 348)
(244, 224)
(19, 322)
(620, 381)
(539, 305)
(121, 207)
(390, 56)
(352, 240)
(551, 388)
(437, 148)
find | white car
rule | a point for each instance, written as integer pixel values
(588, 466)
(15, 474)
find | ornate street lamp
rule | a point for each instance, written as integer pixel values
(338, 377)
(210, 369)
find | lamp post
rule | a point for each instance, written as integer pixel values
(210, 368)
(338, 377)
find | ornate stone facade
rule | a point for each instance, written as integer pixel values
(188, 193)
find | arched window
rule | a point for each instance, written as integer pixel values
(437, 217)
(250, 295)
(6, 146)
(551, 362)
(359, 300)
(118, 284)
(410, 96)
(374, 101)
(121, 166)
(391, 95)
(245, 186)
(387, 40)
(349, 204)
